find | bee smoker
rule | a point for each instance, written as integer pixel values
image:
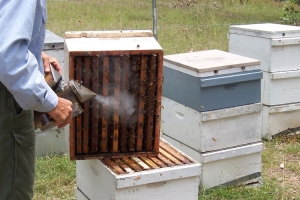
(72, 91)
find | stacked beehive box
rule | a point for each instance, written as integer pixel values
(53, 140)
(170, 175)
(212, 111)
(122, 125)
(277, 47)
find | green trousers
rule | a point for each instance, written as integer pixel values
(17, 149)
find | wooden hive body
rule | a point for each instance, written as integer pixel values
(125, 69)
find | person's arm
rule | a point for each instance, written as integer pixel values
(19, 67)
(61, 114)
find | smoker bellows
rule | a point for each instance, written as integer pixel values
(125, 69)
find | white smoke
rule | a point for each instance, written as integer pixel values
(124, 106)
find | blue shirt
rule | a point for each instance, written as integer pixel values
(22, 34)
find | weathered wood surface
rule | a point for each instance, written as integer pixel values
(168, 156)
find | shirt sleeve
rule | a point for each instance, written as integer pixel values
(20, 24)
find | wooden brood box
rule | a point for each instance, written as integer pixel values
(116, 65)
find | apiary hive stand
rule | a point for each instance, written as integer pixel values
(170, 175)
(53, 140)
(211, 80)
(124, 67)
(231, 166)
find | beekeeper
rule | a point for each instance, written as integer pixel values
(22, 90)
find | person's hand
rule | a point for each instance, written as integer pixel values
(47, 60)
(62, 113)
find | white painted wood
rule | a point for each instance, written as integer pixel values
(209, 61)
(279, 118)
(281, 87)
(97, 181)
(210, 73)
(286, 41)
(157, 175)
(231, 112)
(225, 166)
(231, 152)
(227, 170)
(179, 189)
(91, 44)
(266, 30)
(66, 63)
(50, 142)
(284, 108)
(276, 46)
(285, 74)
(212, 130)
(79, 195)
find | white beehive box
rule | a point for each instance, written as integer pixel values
(212, 130)
(52, 141)
(79, 195)
(277, 119)
(281, 87)
(232, 166)
(161, 177)
(276, 46)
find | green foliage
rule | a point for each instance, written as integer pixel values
(290, 12)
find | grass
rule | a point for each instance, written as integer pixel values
(182, 26)
(278, 183)
(55, 178)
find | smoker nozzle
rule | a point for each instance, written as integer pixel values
(72, 91)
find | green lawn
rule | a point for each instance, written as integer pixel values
(183, 25)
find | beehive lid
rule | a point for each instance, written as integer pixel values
(94, 41)
(53, 41)
(168, 157)
(267, 30)
(206, 61)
